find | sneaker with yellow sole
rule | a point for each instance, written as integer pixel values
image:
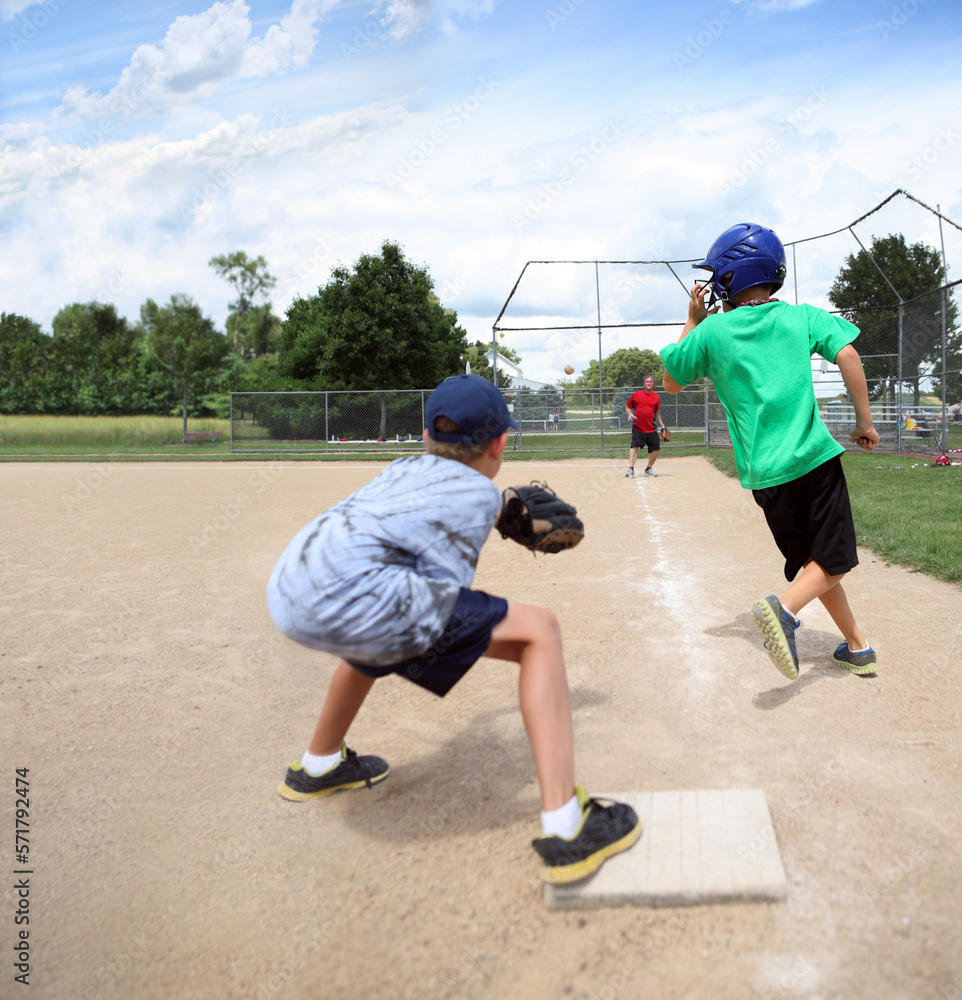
(352, 772)
(604, 831)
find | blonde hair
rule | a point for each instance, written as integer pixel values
(451, 449)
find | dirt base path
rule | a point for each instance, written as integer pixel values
(145, 688)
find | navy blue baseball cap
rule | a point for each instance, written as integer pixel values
(474, 404)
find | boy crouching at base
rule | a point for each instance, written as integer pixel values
(757, 352)
(382, 580)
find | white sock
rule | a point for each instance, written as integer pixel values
(563, 822)
(867, 648)
(318, 765)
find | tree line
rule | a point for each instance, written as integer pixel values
(378, 325)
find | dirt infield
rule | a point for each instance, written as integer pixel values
(145, 688)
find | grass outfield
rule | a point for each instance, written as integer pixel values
(906, 510)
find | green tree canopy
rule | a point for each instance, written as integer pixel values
(186, 343)
(250, 278)
(376, 325)
(258, 331)
(866, 299)
(95, 351)
(25, 365)
(627, 366)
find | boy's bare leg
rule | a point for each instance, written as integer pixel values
(814, 582)
(344, 698)
(653, 457)
(530, 636)
(836, 604)
(632, 456)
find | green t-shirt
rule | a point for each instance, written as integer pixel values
(759, 359)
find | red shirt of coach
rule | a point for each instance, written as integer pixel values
(645, 403)
(645, 407)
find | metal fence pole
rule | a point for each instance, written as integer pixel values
(945, 365)
(898, 415)
(327, 429)
(705, 394)
(601, 383)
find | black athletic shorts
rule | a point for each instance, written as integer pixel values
(811, 518)
(462, 643)
(641, 438)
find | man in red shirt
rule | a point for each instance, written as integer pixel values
(645, 407)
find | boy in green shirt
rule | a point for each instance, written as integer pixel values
(757, 351)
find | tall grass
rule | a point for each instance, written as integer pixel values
(99, 432)
(906, 510)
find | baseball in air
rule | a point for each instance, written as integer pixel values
(569, 370)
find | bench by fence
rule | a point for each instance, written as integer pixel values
(192, 437)
(929, 437)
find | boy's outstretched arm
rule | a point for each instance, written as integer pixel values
(853, 375)
(697, 311)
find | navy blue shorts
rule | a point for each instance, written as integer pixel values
(811, 518)
(641, 439)
(462, 643)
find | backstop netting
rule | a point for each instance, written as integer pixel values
(581, 313)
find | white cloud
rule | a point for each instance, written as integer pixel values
(405, 18)
(199, 54)
(10, 8)
(289, 44)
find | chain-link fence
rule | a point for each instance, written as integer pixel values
(549, 419)
(389, 421)
(567, 421)
(578, 313)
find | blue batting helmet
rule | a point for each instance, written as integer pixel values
(742, 257)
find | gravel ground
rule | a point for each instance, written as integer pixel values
(156, 707)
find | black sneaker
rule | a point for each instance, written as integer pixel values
(604, 831)
(863, 663)
(352, 772)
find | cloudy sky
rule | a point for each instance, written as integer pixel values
(137, 141)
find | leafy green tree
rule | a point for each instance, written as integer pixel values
(258, 331)
(25, 364)
(186, 343)
(864, 298)
(96, 356)
(628, 366)
(250, 279)
(376, 325)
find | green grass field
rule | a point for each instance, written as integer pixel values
(906, 510)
